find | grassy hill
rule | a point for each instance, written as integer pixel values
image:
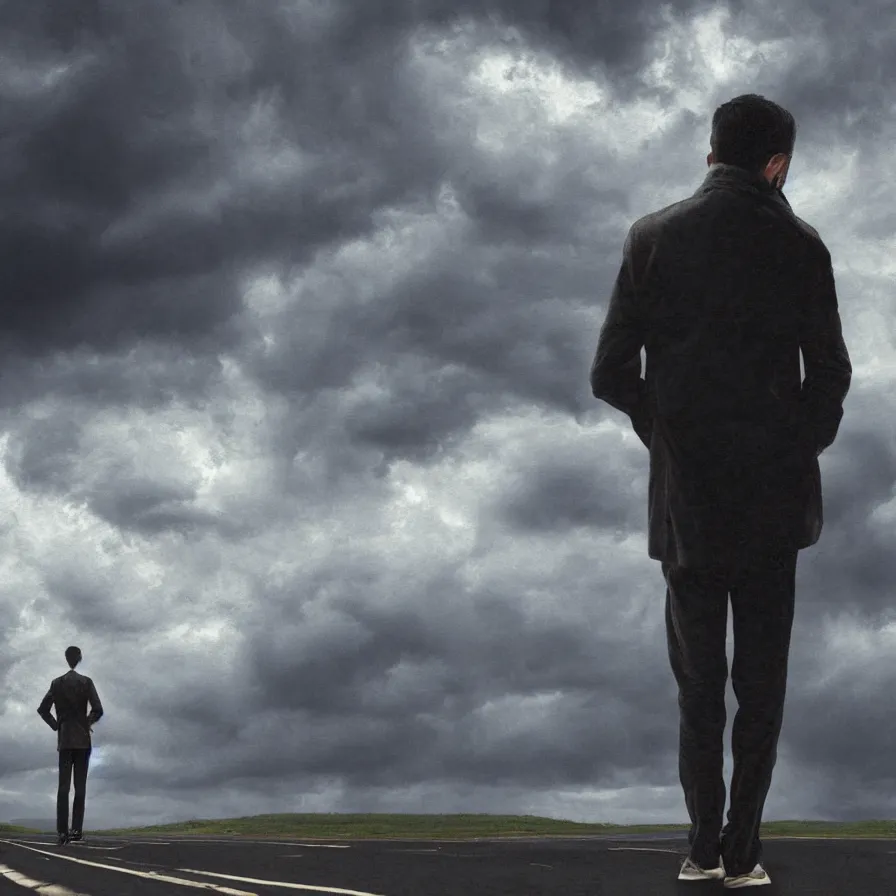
(334, 826)
(18, 829)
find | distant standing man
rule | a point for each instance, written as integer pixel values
(71, 693)
(724, 289)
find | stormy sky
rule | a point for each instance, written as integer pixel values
(298, 444)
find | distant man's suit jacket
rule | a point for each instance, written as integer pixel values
(723, 290)
(71, 693)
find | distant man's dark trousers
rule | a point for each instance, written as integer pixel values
(79, 760)
(762, 601)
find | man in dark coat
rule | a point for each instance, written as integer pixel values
(724, 290)
(71, 693)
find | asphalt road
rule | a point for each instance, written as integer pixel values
(592, 866)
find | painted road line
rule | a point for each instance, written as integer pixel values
(674, 852)
(41, 886)
(280, 883)
(231, 840)
(311, 845)
(75, 845)
(143, 842)
(148, 875)
(784, 837)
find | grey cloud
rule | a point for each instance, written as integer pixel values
(42, 453)
(156, 111)
(341, 663)
(90, 600)
(148, 506)
(555, 494)
(186, 150)
(825, 727)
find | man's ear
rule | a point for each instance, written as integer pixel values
(781, 173)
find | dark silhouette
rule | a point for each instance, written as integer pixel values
(71, 693)
(724, 289)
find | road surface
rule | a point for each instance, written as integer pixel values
(587, 866)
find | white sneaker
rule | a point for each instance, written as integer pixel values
(690, 871)
(755, 878)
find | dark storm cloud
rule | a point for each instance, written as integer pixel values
(42, 453)
(90, 151)
(838, 77)
(551, 494)
(576, 32)
(98, 249)
(114, 229)
(390, 696)
(146, 376)
(861, 475)
(150, 507)
(469, 334)
(45, 455)
(187, 148)
(508, 207)
(91, 600)
(848, 571)
(837, 725)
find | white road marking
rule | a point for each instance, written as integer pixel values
(281, 883)
(81, 845)
(231, 840)
(152, 875)
(782, 837)
(639, 849)
(316, 845)
(149, 875)
(42, 887)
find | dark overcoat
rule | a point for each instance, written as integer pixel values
(71, 693)
(723, 290)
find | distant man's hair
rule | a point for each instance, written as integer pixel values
(73, 656)
(748, 130)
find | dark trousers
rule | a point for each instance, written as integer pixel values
(762, 602)
(79, 760)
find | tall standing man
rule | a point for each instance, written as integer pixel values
(724, 289)
(71, 693)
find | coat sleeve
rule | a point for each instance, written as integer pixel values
(95, 706)
(616, 369)
(826, 360)
(44, 710)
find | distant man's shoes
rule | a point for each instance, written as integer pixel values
(75, 836)
(61, 839)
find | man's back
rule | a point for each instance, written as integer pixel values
(71, 693)
(731, 286)
(727, 291)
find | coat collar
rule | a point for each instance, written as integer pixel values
(730, 177)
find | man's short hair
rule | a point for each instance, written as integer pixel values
(748, 130)
(73, 655)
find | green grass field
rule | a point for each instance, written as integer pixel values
(457, 827)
